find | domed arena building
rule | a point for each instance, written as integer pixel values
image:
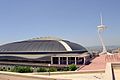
(44, 50)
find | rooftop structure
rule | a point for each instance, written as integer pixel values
(43, 51)
(43, 44)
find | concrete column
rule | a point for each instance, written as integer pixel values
(84, 60)
(59, 60)
(75, 60)
(67, 60)
(51, 60)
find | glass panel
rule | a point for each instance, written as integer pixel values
(80, 60)
(63, 60)
(55, 60)
(71, 60)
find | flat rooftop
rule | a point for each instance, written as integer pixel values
(99, 63)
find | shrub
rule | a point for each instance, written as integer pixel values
(66, 69)
(72, 67)
(22, 69)
(41, 69)
(52, 69)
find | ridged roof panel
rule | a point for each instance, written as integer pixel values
(75, 46)
(40, 46)
(33, 45)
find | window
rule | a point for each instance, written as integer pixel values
(71, 60)
(79, 60)
(55, 60)
(62, 60)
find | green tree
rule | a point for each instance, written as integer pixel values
(72, 67)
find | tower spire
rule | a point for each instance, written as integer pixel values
(101, 19)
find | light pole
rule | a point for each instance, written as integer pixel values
(33, 69)
(49, 69)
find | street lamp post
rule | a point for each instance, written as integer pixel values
(49, 69)
(33, 69)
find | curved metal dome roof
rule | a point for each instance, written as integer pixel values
(42, 45)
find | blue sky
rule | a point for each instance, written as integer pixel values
(74, 20)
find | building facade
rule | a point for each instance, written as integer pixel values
(45, 50)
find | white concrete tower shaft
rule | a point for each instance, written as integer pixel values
(101, 28)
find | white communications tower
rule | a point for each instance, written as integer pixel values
(101, 28)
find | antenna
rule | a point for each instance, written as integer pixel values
(101, 27)
(101, 19)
